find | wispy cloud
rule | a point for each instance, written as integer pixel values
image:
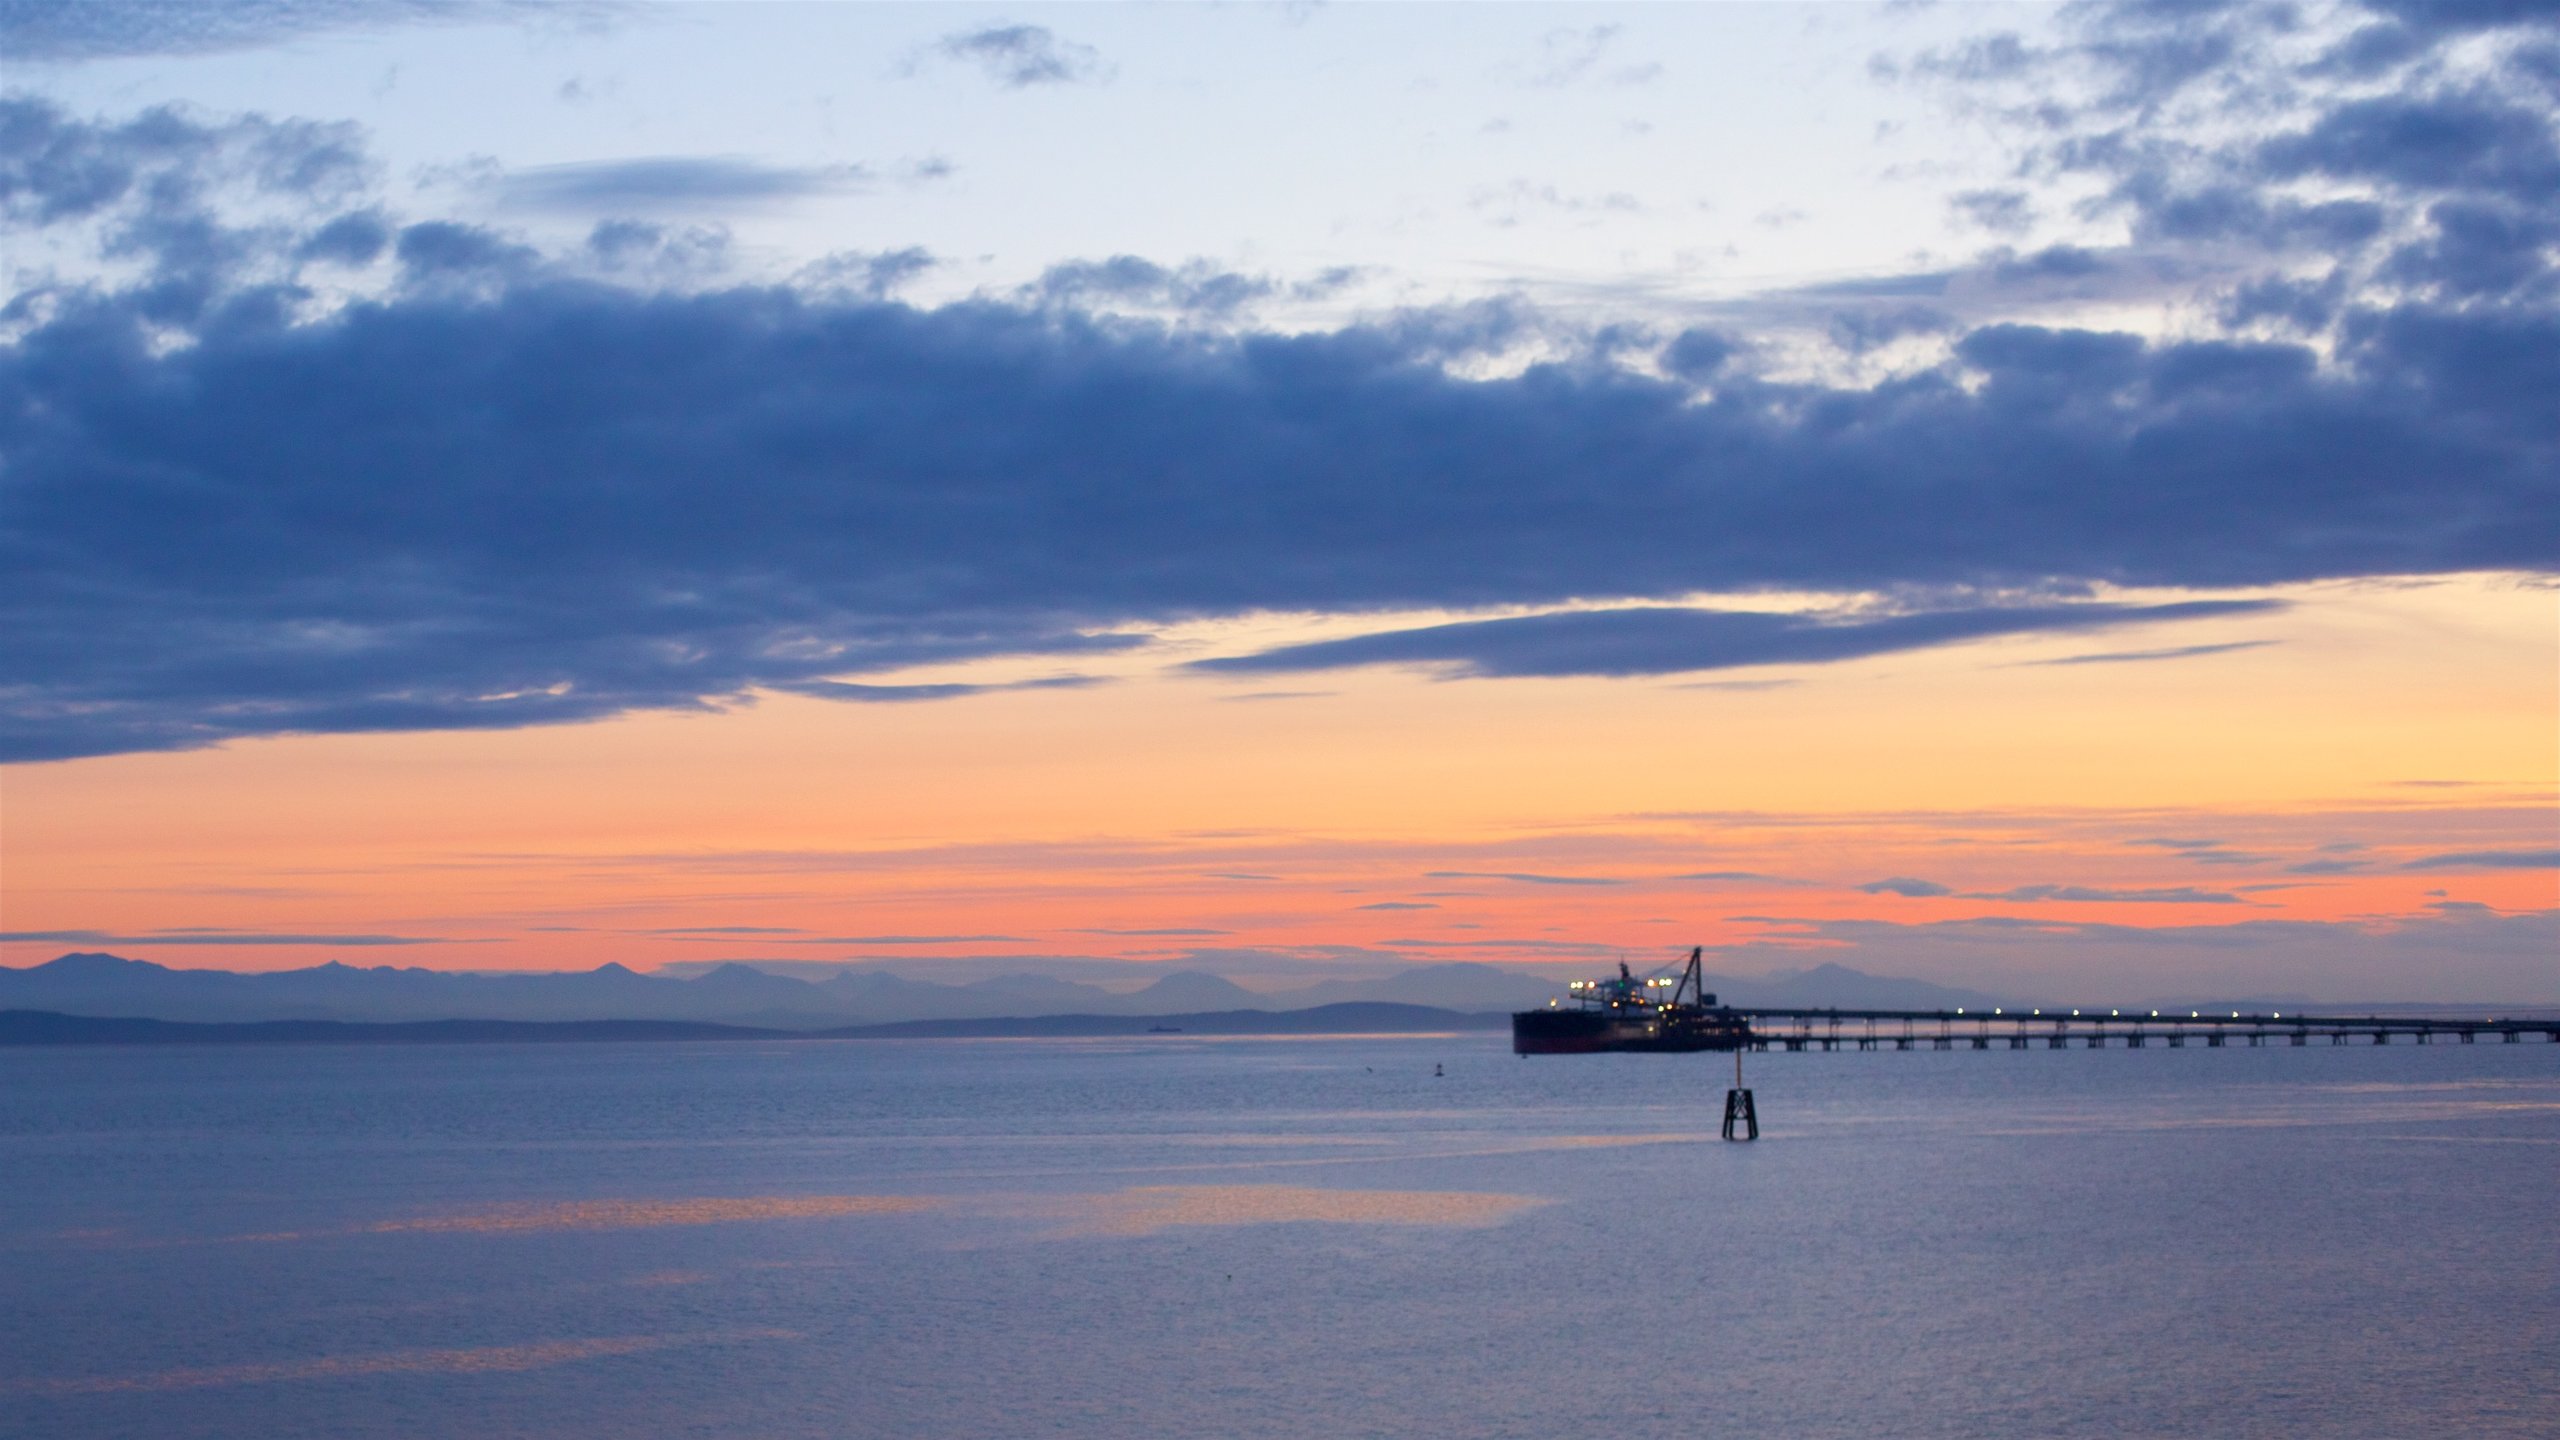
(1909, 887)
(76, 30)
(2117, 657)
(230, 937)
(901, 694)
(1654, 640)
(1521, 877)
(2065, 894)
(2101, 895)
(685, 184)
(1170, 931)
(2489, 860)
(715, 930)
(910, 940)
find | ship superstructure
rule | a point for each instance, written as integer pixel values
(1632, 1012)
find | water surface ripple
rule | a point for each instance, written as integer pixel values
(1186, 1235)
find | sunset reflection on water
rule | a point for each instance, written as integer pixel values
(1148, 1209)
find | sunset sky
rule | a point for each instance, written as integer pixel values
(2059, 500)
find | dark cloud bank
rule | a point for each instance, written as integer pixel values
(496, 493)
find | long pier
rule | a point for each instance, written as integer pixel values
(2128, 1029)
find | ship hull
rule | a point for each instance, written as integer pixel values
(1593, 1032)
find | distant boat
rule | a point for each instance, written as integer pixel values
(1632, 1014)
(1164, 1029)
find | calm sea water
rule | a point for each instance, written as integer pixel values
(1190, 1236)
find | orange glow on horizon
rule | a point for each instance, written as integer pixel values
(2404, 722)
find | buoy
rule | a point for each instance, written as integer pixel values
(1741, 1117)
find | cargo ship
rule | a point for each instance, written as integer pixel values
(1629, 1013)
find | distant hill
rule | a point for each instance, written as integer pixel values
(98, 984)
(743, 994)
(1349, 1019)
(1462, 985)
(40, 1027)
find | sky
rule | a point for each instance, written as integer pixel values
(2062, 500)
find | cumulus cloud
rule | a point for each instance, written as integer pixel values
(2009, 212)
(1129, 280)
(867, 276)
(1020, 56)
(54, 168)
(2411, 145)
(160, 192)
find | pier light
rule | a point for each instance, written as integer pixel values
(2235, 1014)
(2115, 1012)
(1959, 1009)
(2155, 1014)
(2075, 1014)
(1995, 1009)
